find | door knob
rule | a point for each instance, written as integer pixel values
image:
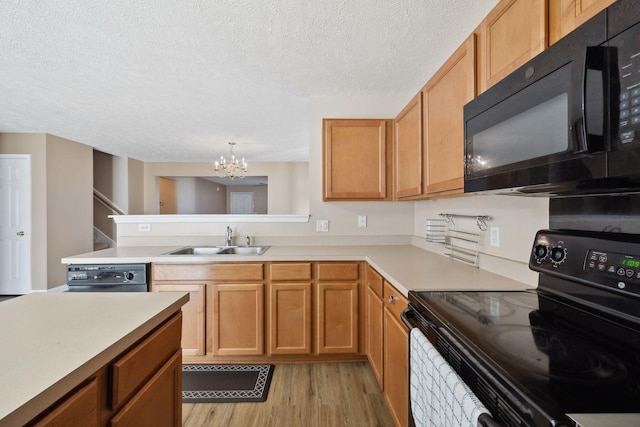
(20, 233)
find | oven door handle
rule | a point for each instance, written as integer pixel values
(409, 319)
(485, 420)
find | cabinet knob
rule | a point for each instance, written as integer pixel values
(20, 233)
(392, 299)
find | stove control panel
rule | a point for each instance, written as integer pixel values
(609, 260)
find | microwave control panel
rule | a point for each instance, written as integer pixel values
(627, 48)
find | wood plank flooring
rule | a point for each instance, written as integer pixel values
(310, 395)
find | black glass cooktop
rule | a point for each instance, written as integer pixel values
(560, 357)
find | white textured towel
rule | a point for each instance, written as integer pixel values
(439, 398)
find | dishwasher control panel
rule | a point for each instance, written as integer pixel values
(107, 274)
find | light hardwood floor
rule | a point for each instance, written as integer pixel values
(310, 395)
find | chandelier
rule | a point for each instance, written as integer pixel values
(231, 167)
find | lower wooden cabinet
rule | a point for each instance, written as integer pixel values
(396, 356)
(193, 315)
(141, 387)
(157, 403)
(237, 319)
(337, 318)
(375, 323)
(289, 318)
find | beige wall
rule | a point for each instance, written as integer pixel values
(136, 186)
(61, 204)
(69, 204)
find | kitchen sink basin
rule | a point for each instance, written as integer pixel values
(244, 250)
(220, 250)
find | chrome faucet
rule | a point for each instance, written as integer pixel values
(227, 240)
(247, 240)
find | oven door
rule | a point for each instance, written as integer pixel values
(543, 128)
(455, 390)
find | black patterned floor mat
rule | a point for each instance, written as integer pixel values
(225, 383)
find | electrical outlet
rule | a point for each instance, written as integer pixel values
(144, 227)
(362, 221)
(322, 225)
(495, 237)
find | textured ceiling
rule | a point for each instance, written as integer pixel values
(174, 80)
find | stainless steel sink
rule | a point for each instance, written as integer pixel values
(220, 250)
(199, 250)
(244, 250)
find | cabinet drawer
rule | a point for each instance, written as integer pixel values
(132, 370)
(394, 301)
(237, 272)
(374, 281)
(290, 271)
(210, 271)
(79, 409)
(337, 271)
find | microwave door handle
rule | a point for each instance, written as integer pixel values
(595, 60)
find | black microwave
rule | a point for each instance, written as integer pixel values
(568, 121)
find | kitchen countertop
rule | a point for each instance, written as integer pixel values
(406, 267)
(51, 342)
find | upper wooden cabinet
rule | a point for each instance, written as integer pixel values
(513, 32)
(444, 97)
(408, 150)
(357, 159)
(567, 15)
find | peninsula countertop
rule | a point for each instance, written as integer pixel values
(406, 267)
(51, 342)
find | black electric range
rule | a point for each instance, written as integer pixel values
(571, 346)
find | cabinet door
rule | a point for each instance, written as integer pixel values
(237, 316)
(158, 403)
(193, 315)
(513, 32)
(355, 159)
(408, 149)
(374, 328)
(445, 95)
(337, 317)
(289, 318)
(396, 368)
(567, 15)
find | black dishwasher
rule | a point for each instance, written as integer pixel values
(107, 277)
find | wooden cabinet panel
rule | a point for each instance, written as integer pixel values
(356, 159)
(408, 149)
(237, 314)
(513, 32)
(567, 15)
(394, 301)
(290, 271)
(374, 328)
(374, 281)
(327, 271)
(131, 371)
(209, 271)
(159, 402)
(445, 95)
(337, 317)
(289, 318)
(396, 368)
(79, 409)
(193, 315)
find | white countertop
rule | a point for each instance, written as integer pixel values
(51, 342)
(406, 267)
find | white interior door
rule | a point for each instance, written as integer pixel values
(15, 224)
(241, 203)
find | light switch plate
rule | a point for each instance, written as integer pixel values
(362, 221)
